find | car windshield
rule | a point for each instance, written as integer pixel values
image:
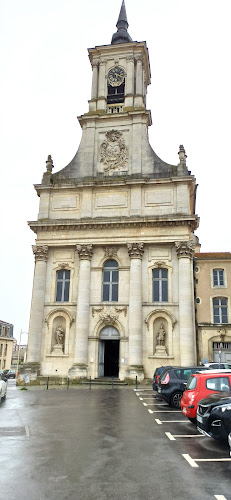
(192, 383)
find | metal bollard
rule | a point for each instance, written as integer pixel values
(136, 382)
(90, 382)
(47, 382)
(112, 382)
(67, 382)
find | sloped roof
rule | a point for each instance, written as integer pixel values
(213, 255)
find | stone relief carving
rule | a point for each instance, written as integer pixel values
(110, 251)
(185, 249)
(135, 250)
(109, 316)
(40, 252)
(114, 152)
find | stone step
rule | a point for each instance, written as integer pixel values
(105, 381)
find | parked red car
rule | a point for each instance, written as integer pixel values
(201, 385)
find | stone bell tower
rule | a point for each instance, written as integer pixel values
(113, 282)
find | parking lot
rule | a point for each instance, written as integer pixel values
(105, 444)
(211, 456)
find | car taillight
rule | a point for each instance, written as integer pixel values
(166, 379)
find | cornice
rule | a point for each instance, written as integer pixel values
(99, 182)
(92, 224)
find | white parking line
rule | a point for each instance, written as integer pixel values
(141, 399)
(154, 404)
(220, 497)
(163, 411)
(173, 437)
(170, 436)
(143, 390)
(27, 431)
(193, 462)
(190, 460)
(160, 422)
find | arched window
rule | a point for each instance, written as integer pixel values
(160, 285)
(220, 310)
(110, 281)
(62, 285)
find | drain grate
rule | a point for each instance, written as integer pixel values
(13, 431)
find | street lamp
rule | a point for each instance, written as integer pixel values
(21, 333)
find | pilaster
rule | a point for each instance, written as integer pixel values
(135, 251)
(79, 369)
(185, 252)
(37, 304)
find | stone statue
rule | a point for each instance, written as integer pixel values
(160, 338)
(59, 334)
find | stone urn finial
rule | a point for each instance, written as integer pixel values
(182, 155)
(49, 164)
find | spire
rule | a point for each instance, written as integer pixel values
(122, 35)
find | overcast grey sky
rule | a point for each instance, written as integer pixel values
(46, 82)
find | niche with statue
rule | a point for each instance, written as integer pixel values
(160, 336)
(58, 335)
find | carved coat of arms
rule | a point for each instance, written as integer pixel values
(113, 151)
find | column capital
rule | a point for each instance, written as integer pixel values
(135, 250)
(40, 252)
(95, 63)
(139, 59)
(185, 249)
(85, 251)
(130, 58)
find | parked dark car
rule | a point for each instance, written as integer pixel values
(214, 416)
(10, 374)
(172, 383)
(156, 376)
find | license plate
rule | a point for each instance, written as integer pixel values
(200, 419)
(184, 410)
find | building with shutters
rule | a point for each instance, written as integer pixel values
(113, 284)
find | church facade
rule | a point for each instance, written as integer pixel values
(113, 287)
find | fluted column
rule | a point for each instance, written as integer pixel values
(37, 304)
(185, 252)
(83, 305)
(135, 251)
(101, 103)
(129, 97)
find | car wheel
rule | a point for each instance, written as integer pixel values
(176, 399)
(193, 420)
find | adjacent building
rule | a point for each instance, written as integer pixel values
(213, 292)
(113, 287)
(6, 344)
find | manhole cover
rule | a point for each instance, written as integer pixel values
(13, 431)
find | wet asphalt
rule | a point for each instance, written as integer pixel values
(101, 444)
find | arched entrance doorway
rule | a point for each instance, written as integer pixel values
(109, 341)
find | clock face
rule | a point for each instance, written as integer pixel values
(116, 76)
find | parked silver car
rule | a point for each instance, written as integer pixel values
(3, 387)
(229, 441)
